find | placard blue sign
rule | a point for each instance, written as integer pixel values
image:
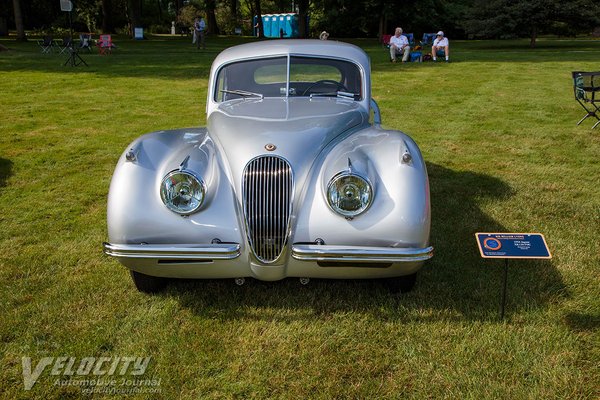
(512, 245)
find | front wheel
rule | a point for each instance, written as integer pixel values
(148, 284)
(402, 284)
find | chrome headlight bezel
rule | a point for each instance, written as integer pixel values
(332, 191)
(195, 181)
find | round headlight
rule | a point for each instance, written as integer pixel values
(349, 195)
(182, 192)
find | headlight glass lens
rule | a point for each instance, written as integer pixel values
(182, 192)
(349, 195)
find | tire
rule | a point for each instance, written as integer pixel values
(402, 284)
(148, 284)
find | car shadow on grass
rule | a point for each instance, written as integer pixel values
(5, 171)
(455, 285)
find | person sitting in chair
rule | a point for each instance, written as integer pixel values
(440, 47)
(399, 45)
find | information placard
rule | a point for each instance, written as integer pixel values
(512, 245)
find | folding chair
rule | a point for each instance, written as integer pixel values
(105, 45)
(385, 40)
(85, 42)
(586, 87)
(66, 44)
(46, 44)
(428, 39)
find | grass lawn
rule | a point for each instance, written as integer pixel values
(497, 127)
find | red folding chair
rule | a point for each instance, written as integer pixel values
(385, 40)
(105, 45)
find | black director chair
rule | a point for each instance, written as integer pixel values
(586, 87)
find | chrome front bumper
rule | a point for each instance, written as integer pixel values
(225, 260)
(301, 252)
(315, 252)
(217, 251)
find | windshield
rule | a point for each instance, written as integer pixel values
(308, 76)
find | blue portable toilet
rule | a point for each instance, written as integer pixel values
(282, 26)
(274, 26)
(266, 19)
(273, 23)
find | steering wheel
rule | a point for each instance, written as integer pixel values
(323, 82)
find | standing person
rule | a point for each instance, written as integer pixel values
(194, 36)
(200, 28)
(399, 45)
(440, 47)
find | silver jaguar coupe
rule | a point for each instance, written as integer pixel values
(292, 177)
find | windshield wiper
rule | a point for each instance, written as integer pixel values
(345, 95)
(242, 93)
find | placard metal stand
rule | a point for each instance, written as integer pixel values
(511, 245)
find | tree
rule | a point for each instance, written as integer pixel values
(212, 26)
(302, 17)
(233, 10)
(506, 18)
(19, 21)
(107, 22)
(134, 8)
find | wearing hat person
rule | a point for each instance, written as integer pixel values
(440, 47)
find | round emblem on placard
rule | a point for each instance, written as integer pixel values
(492, 244)
(270, 147)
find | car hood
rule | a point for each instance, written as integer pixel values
(300, 128)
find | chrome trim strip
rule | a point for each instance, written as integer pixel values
(315, 252)
(217, 251)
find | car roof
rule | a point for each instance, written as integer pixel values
(309, 47)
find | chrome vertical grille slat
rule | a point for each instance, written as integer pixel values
(267, 193)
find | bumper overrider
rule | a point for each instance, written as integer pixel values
(301, 252)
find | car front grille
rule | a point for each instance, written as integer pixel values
(267, 191)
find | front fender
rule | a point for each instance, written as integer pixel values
(135, 211)
(400, 213)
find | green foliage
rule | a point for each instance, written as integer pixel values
(511, 18)
(187, 15)
(342, 18)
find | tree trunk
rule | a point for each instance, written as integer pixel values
(381, 26)
(107, 25)
(3, 26)
(135, 14)
(302, 18)
(534, 32)
(233, 10)
(211, 18)
(261, 31)
(19, 21)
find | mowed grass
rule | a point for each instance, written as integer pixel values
(497, 128)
